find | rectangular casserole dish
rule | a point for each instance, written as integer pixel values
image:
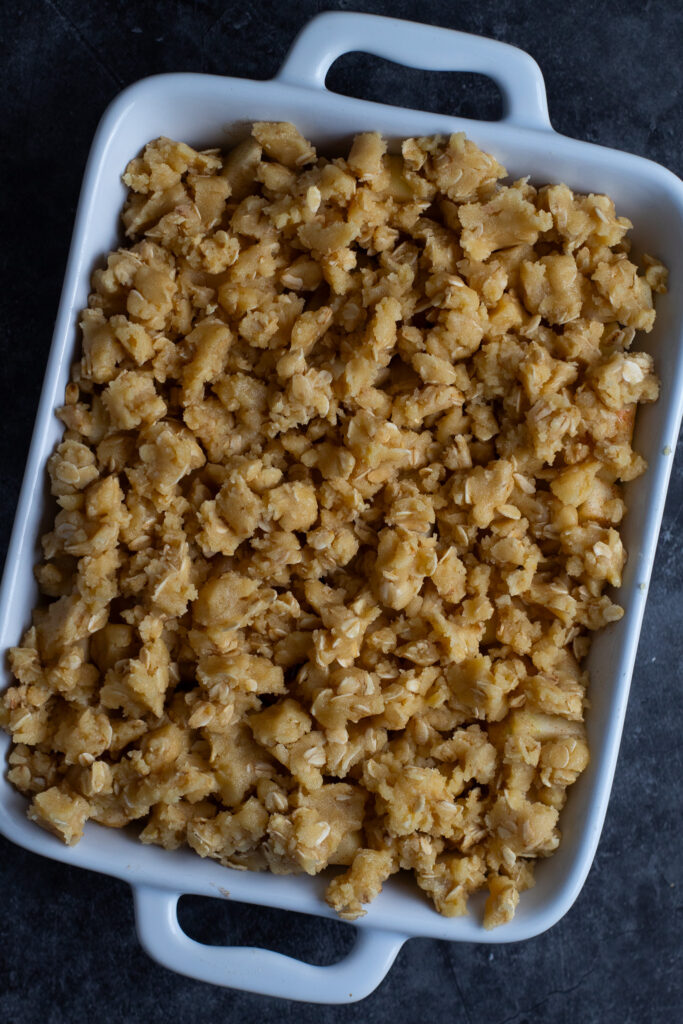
(208, 111)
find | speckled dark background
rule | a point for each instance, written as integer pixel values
(68, 950)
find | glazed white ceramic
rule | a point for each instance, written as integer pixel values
(208, 111)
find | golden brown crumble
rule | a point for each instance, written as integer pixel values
(339, 497)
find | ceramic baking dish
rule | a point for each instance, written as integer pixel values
(207, 111)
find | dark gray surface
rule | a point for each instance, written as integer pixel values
(68, 950)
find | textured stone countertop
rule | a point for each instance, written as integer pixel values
(68, 951)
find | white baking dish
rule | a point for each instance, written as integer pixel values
(205, 111)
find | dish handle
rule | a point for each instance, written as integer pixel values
(261, 970)
(328, 36)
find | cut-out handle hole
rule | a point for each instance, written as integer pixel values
(453, 93)
(224, 923)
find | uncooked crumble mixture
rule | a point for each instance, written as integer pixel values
(339, 497)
